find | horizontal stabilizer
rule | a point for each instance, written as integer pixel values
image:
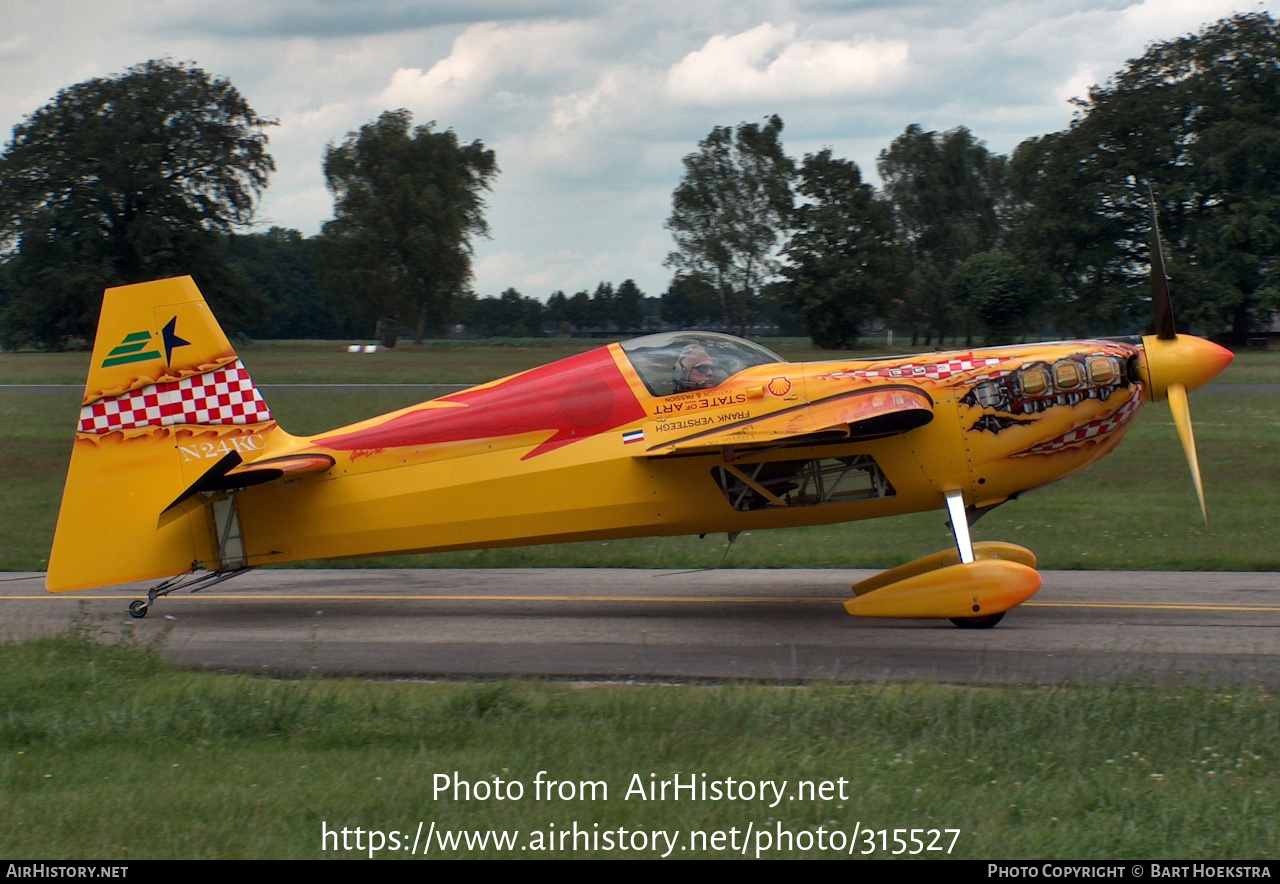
(231, 473)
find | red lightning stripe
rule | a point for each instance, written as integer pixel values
(576, 397)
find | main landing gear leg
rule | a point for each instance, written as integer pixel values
(964, 544)
(189, 580)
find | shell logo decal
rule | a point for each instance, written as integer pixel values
(779, 386)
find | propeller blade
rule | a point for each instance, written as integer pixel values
(1177, 395)
(1160, 304)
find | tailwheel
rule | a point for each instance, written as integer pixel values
(978, 622)
(188, 580)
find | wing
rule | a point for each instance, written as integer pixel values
(845, 417)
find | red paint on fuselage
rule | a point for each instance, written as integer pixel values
(576, 397)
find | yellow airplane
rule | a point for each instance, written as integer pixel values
(180, 471)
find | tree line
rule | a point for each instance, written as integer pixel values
(283, 269)
(157, 172)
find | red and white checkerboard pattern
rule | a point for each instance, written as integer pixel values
(223, 396)
(137, 408)
(1092, 430)
(935, 371)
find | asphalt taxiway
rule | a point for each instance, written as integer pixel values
(620, 624)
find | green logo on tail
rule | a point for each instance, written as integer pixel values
(131, 350)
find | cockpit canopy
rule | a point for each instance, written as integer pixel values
(677, 362)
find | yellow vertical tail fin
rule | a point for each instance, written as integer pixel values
(166, 399)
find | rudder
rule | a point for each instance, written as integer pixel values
(165, 400)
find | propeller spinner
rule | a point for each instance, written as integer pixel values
(1172, 364)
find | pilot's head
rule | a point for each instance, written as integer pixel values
(693, 370)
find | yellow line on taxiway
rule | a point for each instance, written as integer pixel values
(699, 600)
(263, 597)
(1151, 606)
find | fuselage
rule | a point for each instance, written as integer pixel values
(596, 446)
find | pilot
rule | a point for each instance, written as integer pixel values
(693, 370)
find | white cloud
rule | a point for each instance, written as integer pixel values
(767, 62)
(553, 98)
(1168, 19)
(1093, 44)
(308, 126)
(538, 274)
(590, 104)
(517, 58)
(1076, 86)
(15, 46)
(298, 209)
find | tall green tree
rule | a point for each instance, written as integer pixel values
(628, 306)
(604, 306)
(730, 211)
(511, 315)
(125, 179)
(406, 203)
(280, 266)
(689, 301)
(845, 265)
(579, 310)
(1051, 228)
(1000, 293)
(558, 311)
(1197, 118)
(946, 189)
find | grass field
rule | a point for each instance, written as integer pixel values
(108, 753)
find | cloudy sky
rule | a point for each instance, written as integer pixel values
(591, 104)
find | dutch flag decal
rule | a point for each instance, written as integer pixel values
(633, 436)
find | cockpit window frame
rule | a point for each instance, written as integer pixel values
(653, 357)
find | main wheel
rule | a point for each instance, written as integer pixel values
(137, 609)
(978, 622)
